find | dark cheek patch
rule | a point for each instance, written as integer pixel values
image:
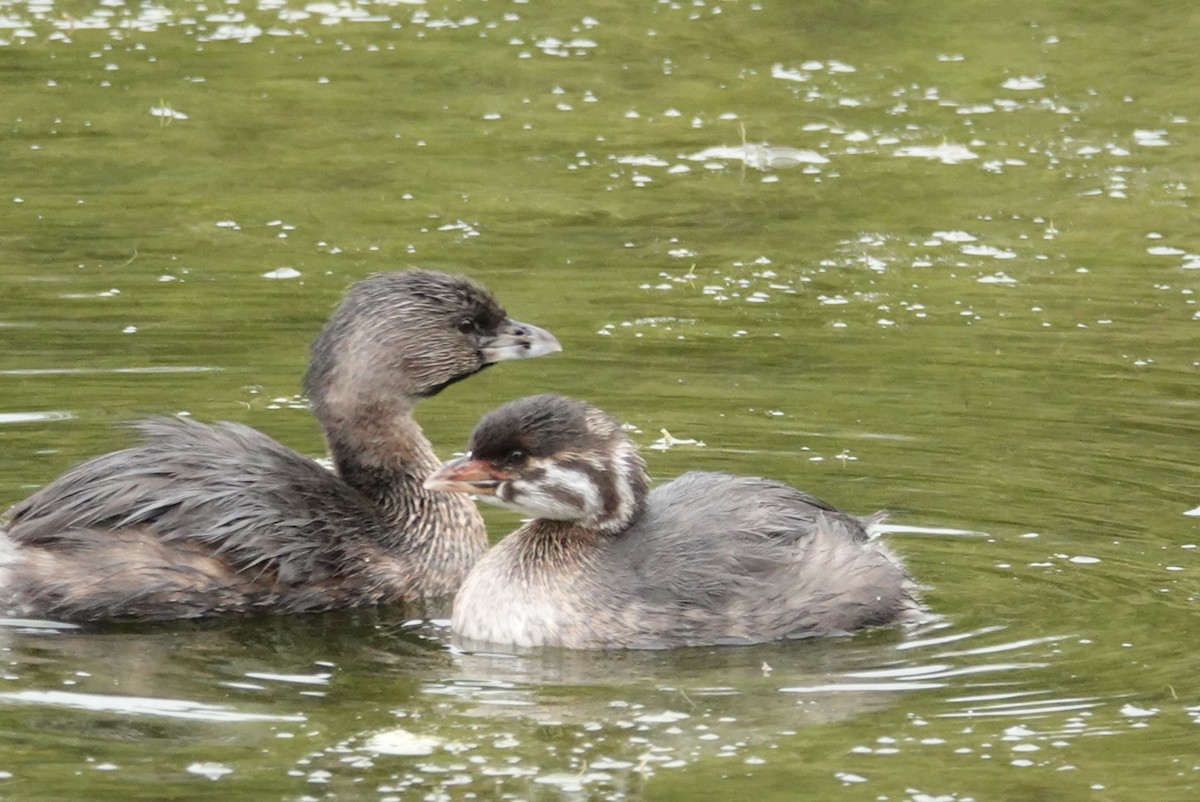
(567, 496)
(602, 480)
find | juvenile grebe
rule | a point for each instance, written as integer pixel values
(708, 558)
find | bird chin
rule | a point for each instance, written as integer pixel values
(488, 496)
(434, 390)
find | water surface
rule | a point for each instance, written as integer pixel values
(939, 260)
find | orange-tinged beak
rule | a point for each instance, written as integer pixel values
(467, 475)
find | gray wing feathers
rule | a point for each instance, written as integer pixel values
(745, 554)
(244, 495)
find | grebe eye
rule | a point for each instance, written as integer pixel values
(467, 326)
(516, 456)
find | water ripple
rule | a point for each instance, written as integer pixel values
(140, 706)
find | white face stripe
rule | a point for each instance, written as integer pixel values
(577, 498)
(626, 465)
(565, 487)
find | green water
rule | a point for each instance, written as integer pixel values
(967, 294)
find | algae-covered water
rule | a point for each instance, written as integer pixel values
(937, 258)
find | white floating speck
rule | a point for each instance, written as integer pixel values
(1137, 712)
(1195, 513)
(129, 330)
(643, 161)
(760, 156)
(1024, 83)
(401, 742)
(282, 272)
(1150, 138)
(167, 112)
(954, 236)
(781, 72)
(666, 717)
(848, 777)
(945, 153)
(213, 771)
(988, 250)
(1083, 560)
(668, 441)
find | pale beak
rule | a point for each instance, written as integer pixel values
(517, 340)
(467, 475)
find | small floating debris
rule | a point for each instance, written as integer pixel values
(1195, 513)
(282, 272)
(945, 153)
(669, 441)
(232, 33)
(167, 113)
(760, 156)
(988, 250)
(1150, 138)
(643, 161)
(802, 74)
(665, 717)
(213, 771)
(953, 236)
(401, 742)
(467, 229)
(1024, 83)
(783, 73)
